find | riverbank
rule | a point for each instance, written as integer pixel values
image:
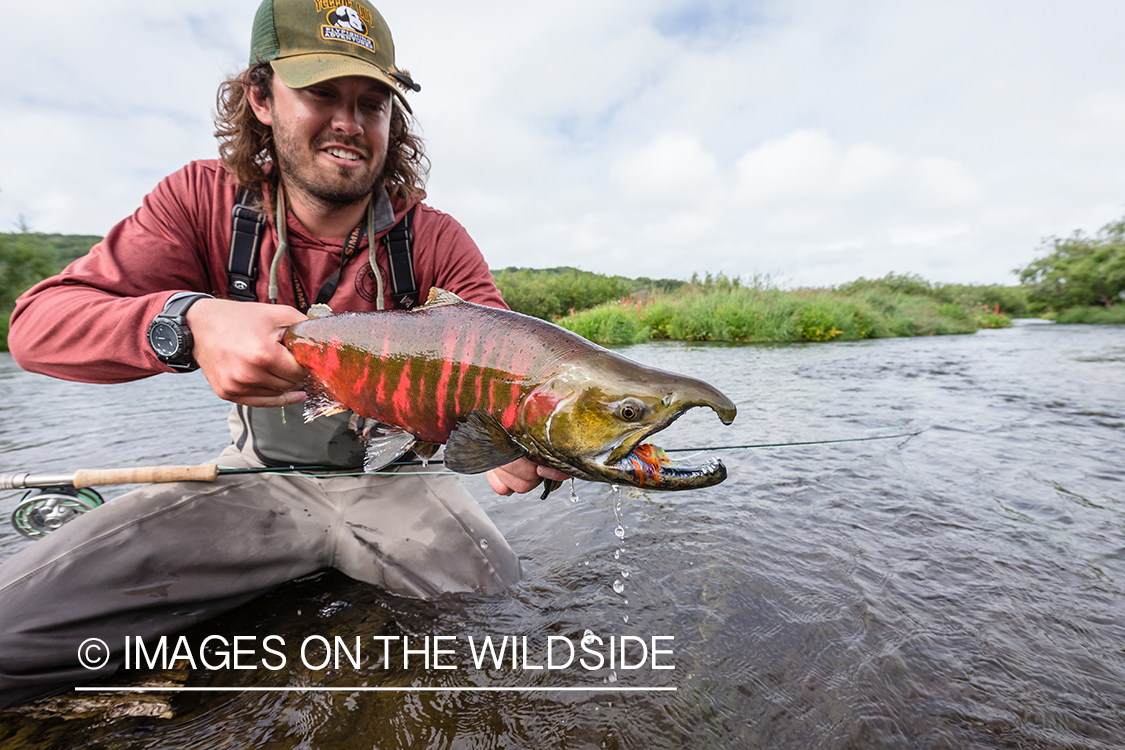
(735, 313)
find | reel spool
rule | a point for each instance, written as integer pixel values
(44, 509)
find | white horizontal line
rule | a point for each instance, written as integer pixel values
(486, 689)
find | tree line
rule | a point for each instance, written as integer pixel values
(1079, 278)
(26, 258)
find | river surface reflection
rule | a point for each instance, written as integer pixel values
(962, 588)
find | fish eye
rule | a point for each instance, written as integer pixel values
(631, 410)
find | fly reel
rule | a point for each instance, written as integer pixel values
(43, 509)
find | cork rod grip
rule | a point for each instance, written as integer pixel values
(145, 475)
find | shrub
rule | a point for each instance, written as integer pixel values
(814, 323)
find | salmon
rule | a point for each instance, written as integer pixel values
(494, 386)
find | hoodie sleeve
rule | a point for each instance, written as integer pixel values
(90, 322)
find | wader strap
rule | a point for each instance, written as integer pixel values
(247, 228)
(400, 259)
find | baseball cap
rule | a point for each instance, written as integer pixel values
(309, 41)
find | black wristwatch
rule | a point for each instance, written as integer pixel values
(169, 335)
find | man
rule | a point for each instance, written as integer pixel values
(317, 134)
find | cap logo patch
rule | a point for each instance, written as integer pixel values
(345, 23)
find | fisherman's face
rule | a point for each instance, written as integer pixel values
(331, 138)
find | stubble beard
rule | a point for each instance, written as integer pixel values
(301, 174)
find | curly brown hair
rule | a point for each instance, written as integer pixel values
(246, 145)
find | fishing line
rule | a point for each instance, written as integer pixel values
(55, 499)
(906, 435)
(329, 471)
(208, 472)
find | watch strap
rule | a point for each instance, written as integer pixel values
(179, 303)
(173, 313)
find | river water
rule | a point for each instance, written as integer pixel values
(961, 588)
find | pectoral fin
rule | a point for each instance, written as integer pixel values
(317, 401)
(480, 443)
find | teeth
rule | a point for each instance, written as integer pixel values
(343, 154)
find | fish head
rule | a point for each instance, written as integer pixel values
(593, 417)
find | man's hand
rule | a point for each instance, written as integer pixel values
(238, 347)
(520, 476)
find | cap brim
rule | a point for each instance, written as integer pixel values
(301, 71)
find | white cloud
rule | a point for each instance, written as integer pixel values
(810, 165)
(944, 183)
(673, 169)
(808, 139)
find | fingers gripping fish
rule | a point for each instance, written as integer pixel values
(494, 386)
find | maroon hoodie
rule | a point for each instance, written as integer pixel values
(90, 322)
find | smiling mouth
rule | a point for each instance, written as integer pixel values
(345, 154)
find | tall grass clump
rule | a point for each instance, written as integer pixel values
(721, 309)
(1092, 314)
(611, 324)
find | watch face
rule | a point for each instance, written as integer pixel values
(164, 338)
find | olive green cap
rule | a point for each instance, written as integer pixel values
(309, 41)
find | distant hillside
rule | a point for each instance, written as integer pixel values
(28, 257)
(551, 293)
(59, 249)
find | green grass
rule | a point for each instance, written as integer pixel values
(1115, 314)
(725, 312)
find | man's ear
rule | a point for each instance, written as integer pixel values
(260, 105)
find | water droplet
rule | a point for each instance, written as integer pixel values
(573, 494)
(618, 586)
(624, 574)
(425, 462)
(619, 532)
(588, 636)
(625, 618)
(612, 678)
(617, 554)
(484, 544)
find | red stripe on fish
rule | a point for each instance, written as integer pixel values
(400, 401)
(511, 411)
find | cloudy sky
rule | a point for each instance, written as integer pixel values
(811, 140)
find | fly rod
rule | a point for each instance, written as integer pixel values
(83, 478)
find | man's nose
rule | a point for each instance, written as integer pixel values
(346, 118)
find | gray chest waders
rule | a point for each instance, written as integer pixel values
(273, 437)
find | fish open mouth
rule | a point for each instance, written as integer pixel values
(649, 466)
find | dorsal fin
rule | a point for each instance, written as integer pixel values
(438, 298)
(319, 310)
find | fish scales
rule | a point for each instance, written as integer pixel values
(493, 364)
(494, 385)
